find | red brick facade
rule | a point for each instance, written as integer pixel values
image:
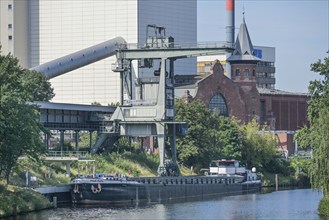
(283, 112)
(242, 97)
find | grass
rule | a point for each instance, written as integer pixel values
(130, 164)
(25, 200)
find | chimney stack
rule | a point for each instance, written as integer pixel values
(230, 21)
(230, 4)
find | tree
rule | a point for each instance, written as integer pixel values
(19, 126)
(317, 134)
(210, 136)
(259, 146)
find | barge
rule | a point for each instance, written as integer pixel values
(224, 179)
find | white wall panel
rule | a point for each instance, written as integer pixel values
(64, 26)
(68, 26)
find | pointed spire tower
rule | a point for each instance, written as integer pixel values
(243, 60)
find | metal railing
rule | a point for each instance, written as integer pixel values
(69, 154)
(200, 45)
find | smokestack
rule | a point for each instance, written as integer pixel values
(230, 21)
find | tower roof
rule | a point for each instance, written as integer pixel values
(244, 51)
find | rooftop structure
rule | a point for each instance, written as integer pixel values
(244, 50)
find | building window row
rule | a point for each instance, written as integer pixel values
(245, 72)
(263, 63)
(265, 75)
(265, 85)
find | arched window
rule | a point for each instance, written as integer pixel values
(218, 103)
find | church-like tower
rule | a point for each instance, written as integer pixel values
(243, 60)
(243, 71)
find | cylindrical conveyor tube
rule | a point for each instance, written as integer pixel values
(79, 59)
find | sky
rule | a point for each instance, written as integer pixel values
(298, 29)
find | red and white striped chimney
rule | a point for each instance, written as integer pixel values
(230, 21)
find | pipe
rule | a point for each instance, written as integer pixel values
(230, 8)
(80, 58)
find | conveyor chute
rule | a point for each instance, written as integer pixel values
(80, 58)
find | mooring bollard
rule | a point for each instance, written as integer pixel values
(55, 202)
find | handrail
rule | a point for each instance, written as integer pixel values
(197, 45)
(77, 154)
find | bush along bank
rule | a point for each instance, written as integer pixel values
(16, 200)
(324, 207)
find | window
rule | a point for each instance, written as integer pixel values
(218, 103)
(237, 72)
(253, 73)
(246, 72)
(10, 26)
(10, 37)
(10, 7)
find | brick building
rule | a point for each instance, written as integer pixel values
(238, 96)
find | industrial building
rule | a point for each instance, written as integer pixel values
(38, 31)
(50, 29)
(240, 96)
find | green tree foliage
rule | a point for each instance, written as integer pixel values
(19, 126)
(85, 139)
(317, 134)
(210, 135)
(259, 146)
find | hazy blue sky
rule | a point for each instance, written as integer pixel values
(298, 29)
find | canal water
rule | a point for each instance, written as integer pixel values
(284, 204)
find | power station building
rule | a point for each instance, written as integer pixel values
(38, 31)
(241, 84)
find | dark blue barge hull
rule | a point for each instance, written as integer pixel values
(159, 189)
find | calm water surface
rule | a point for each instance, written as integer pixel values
(286, 204)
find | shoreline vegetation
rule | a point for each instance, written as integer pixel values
(17, 199)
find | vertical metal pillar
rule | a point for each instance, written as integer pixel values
(161, 106)
(62, 141)
(46, 141)
(173, 126)
(77, 140)
(121, 88)
(90, 139)
(161, 146)
(68, 168)
(131, 81)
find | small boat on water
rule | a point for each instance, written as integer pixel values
(223, 178)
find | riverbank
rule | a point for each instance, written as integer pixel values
(15, 200)
(130, 164)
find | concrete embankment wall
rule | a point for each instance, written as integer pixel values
(62, 193)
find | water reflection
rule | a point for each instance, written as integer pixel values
(286, 204)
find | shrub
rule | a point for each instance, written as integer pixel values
(280, 165)
(324, 207)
